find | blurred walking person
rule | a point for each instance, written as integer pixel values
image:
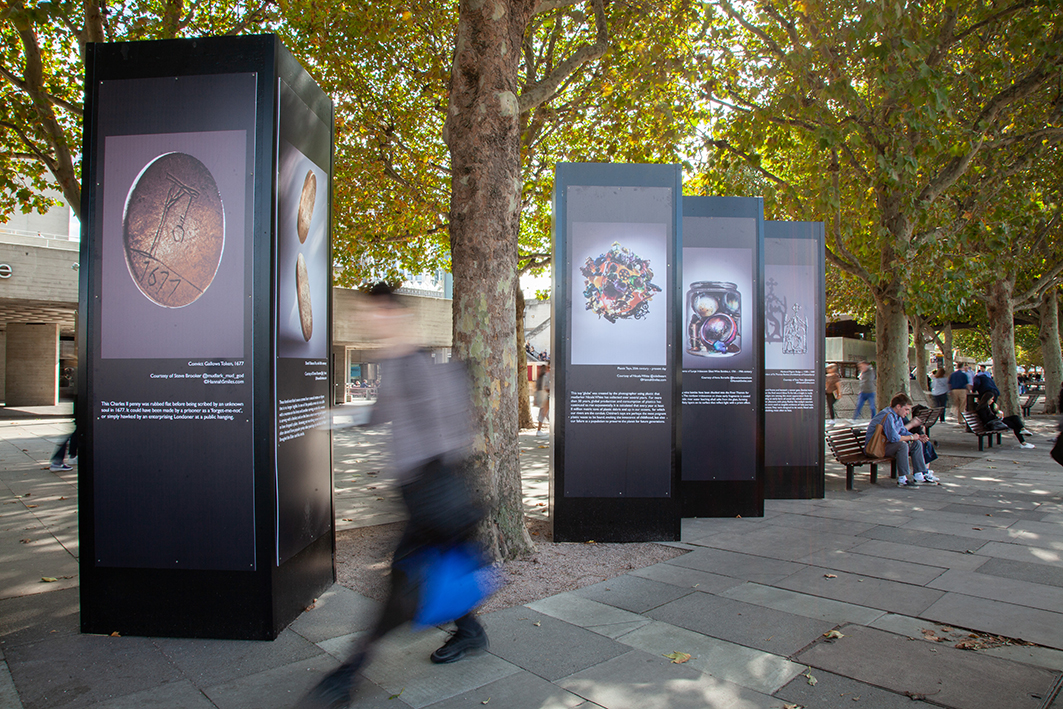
(429, 410)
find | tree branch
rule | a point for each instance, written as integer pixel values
(544, 90)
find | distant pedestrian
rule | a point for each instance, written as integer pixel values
(833, 387)
(68, 446)
(867, 390)
(902, 444)
(542, 397)
(939, 390)
(958, 388)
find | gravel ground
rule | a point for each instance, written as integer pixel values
(363, 556)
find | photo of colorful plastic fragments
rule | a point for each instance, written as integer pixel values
(618, 284)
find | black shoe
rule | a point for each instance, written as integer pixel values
(460, 645)
(333, 692)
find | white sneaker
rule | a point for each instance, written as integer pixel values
(902, 481)
(930, 478)
(541, 434)
(919, 479)
(1027, 445)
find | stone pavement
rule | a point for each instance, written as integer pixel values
(903, 575)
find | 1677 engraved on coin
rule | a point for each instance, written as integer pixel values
(174, 230)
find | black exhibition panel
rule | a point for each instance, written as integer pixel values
(794, 359)
(205, 473)
(615, 418)
(722, 357)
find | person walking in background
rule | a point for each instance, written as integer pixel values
(902, 444)
(68, 446)
(542, 397)
(867, 389)
(939, 390)
(431, 435)
(958, 388)
(833, 387)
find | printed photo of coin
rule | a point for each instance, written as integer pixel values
(306, 205)
(302, 285)
(174, 230)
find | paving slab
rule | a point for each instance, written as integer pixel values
(755, 669)
(828, 525)
(862, 590)
(833, 691)
(546, 646)
(921, 555)
(998, 617)
(521, 690)
(931, 540)
(785, 543)
(988, 508)
(875, 567)
(632, 593)
(282, 687)
(1044, 574)
(639, 680)
(740, 566)
(402, 667)
(1023, 593)
(943, 675)
(835, 612)
(686, 578)
(29, 619)
(211, 662)
(8, 694)
(79, 670)
(742, 623)
(600, 618)
(1029, 654)
(339, 611)
(181, 693)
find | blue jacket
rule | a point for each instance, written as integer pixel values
(958, 380)
(984, 383)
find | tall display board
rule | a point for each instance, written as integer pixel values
(615, 352)
(722, 357)
(794, 333)
(205, 466)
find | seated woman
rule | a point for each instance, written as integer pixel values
(901, 443)
(987, 412)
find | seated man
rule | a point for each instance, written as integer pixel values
(901, 443)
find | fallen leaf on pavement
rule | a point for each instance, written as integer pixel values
(793, 706)
(486, 700)
(830, 576)
(396, 696)
(24, 541)
(48, 579)
(677, 657)
(116, 634)
(808, 675)
(833, 635)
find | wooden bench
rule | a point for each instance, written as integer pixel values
(847, 446)
(931, 417)
(1035, 394)
(975, 426)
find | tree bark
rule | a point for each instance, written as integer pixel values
(919, 342)
(1001, 311)
(524, 416)
(1051, 353)
(891, 347)
(946, 338)
(482, 131)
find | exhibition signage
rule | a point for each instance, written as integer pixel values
(722, 357)
(794, 332)
(615, 353)
(205, 465)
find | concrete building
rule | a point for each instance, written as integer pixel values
(38, 308)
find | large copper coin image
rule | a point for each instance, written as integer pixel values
(306, 206)
(174, 228)
(302, 285)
